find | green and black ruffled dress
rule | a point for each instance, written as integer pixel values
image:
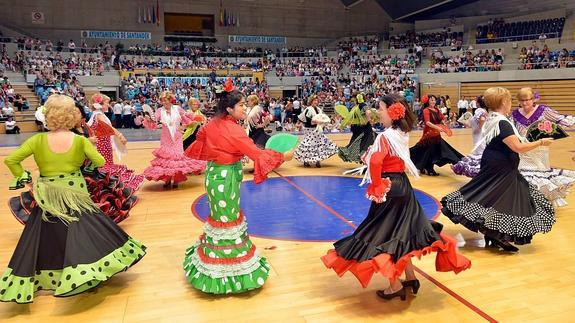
(68, 245)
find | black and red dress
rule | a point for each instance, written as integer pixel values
(396, 227)
(431, 148)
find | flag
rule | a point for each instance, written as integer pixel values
(149, 17)
(153, 15)
(225, 18)
(230, 19)
(238, 20)
(139, 15)
(158, 12)
(221, 14)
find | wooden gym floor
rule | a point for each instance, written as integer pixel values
(536, 284)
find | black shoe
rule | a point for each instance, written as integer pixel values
(317, 164)
(506, 246)
(306, 164)
(432, 173)
(414, 284)
(400, 293)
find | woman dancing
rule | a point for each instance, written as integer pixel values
(315, 146)
(198, 119)
(469, 166)
(224, 261)
(258, 119)
(432, 149)
(68, 245)
(396, 227)
(107, 144)
(499, 202)
(362, 134)
(534, 165)
(170, 164)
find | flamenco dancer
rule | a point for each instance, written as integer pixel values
(499, 202)
(108, 192)
(432, 149)
(469, 166)
(396, 227)
(258, 119)
(223, 260)
(107, 144)
(68, 245)
(198, 119)
(170, 164)
(534, 165)
(362, 134)
(315, 146)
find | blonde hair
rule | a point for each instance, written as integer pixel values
(192, 100)
(525, 93)
(494, 97)
(105, 98)
(61, 112)
(166, 95)
(253, 99)
(311, 98)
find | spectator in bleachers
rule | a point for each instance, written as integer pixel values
(11, 127)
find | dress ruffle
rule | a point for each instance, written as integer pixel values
(314, 147)
(111, 195)
(468, 166)
(555, 184)
(447, 259)
(168, 165)
(265, 163)
(377, 193)
(128, 177)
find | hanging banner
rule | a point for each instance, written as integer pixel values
(257, 39)
(203, 80)
(116, 34)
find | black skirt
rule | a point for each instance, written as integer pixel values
(500, 203)
(188, 141)
(396, 227)
(434, 151)
(66, 258)
(259, 136)
(362, 137)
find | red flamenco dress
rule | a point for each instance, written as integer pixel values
(395, 229)
(112, 186)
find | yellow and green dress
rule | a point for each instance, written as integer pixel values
(362, 134)
(68, 245)
(189, 136)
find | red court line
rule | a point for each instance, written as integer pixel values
(424, 274)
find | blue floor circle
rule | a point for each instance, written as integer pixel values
(306, 208)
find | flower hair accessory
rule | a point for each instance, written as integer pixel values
(229, 85)
(396, 111)
(424, 99)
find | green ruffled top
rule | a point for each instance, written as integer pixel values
(61, 189)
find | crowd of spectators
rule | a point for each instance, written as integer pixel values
(174, 62)
(436, 39)
(482, 61)
(536, 58)
(384, 65)
(307, 66)
(359, 45)
(31, 62)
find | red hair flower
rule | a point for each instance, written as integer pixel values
(424, 99)
(229, 87)
(396, 111)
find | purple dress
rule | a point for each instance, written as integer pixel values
(469, 166)
(554, 183)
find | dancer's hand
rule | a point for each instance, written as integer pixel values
(546, 141)
(93, 139)
(288, 155)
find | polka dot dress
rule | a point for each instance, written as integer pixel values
(223, 260)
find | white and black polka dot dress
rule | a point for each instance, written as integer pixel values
(499, 202)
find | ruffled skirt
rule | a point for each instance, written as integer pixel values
(314, 147)
(172, 166)
(392, 233)
(433, 151)
(67, 258)
(362, 137)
